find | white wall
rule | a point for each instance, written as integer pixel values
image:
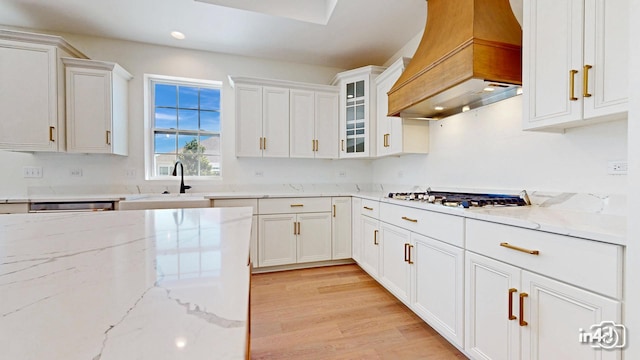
(109, 172)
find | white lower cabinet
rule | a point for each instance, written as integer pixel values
(313, 237)
(437, 279)
(341, 228)
(252, 203)
(370, 246)
(277, 239)
(394, 270)
(356, 229)
(514, 313)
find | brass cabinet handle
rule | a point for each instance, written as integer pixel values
(297, 205)
(342, 145)
(409, 219)
(410, 261)
(510, 313)
(298, 227)
(585, 81)
(317, 145)
(264, 143)
(375, 237)
(522, 322)
(51, 130)
(367, 208)
(261, 147)
(517, 248)
(295, 228)
(108, 137)
(406, 252)
(386, 140)
(334, 210)
(572, 85)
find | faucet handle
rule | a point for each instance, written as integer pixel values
(186, 187)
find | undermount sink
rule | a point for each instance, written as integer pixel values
(163, 201)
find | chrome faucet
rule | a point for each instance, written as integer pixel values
(183, 187)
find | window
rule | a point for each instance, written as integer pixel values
(184, 121)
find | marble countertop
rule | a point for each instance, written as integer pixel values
(149, 284)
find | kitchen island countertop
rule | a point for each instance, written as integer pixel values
(148, 284)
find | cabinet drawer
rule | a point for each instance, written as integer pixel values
(589, 264)
(370, 208)
(443, 227)
(252, 203)
(294, 205)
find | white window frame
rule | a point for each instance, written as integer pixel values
(149, 123)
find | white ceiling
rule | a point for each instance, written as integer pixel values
(357, 32)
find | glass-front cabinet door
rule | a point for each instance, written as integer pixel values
(358, 111)
(356, 129)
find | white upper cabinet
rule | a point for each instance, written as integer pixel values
(277, 118)
(314, 124)
(32, 91)
(575, 62)
(358, 111)
(97, 111)
(395, 135)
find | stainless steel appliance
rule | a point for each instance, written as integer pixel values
(462, 199)
(71, 206)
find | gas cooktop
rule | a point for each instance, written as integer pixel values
(462, 199)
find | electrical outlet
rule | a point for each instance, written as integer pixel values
(342, 173)
(259, 173)
(617, 167)
(130, 173)
(400, 174)
(77, 172)
(32, 172)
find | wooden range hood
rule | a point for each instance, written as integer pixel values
(467, 46)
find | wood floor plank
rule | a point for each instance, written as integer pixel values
(336, 312)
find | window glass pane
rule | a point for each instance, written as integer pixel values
(191, 164)
(164, 142)
(360, 88)
(166, 118)
(162, 161)
(188, 119)
(210, 165)
(360, 112)
(350, 145)
(360, 145)
(210, 144)
(350, 114)
(163, 171)
(350, 126)
(209, 99)
(166, 95)
(188, 143)
(360, 132)
(350, 91)
(210, 121)
(187, 97)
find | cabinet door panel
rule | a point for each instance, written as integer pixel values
(276, 240)
(88, 110)
(302, 124)
(314, 238)
(394, 271)
(341, 228)
(438, 286)
(326, 125)
(555, 313)
(489, 333)
(606, 48)
(356, 231)
(28, 96)
(552, 46)
(275, 121)
(370, 246)
(248, 120)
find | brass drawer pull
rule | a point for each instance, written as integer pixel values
(517, 248)
(585, 81)
(406, 252)
(334, 211)
(511, 316)
(572, 85)
(342, 145)
(410, 261)
(522, 322)
(297, 205)
(108, 137)
(51, 130)
(375, 237)
(409, 219)
(367, 208)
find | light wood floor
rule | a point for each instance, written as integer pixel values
(336, 312)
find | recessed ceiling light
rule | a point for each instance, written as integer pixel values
(466, 108)
(438, 108)
(177, 35)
